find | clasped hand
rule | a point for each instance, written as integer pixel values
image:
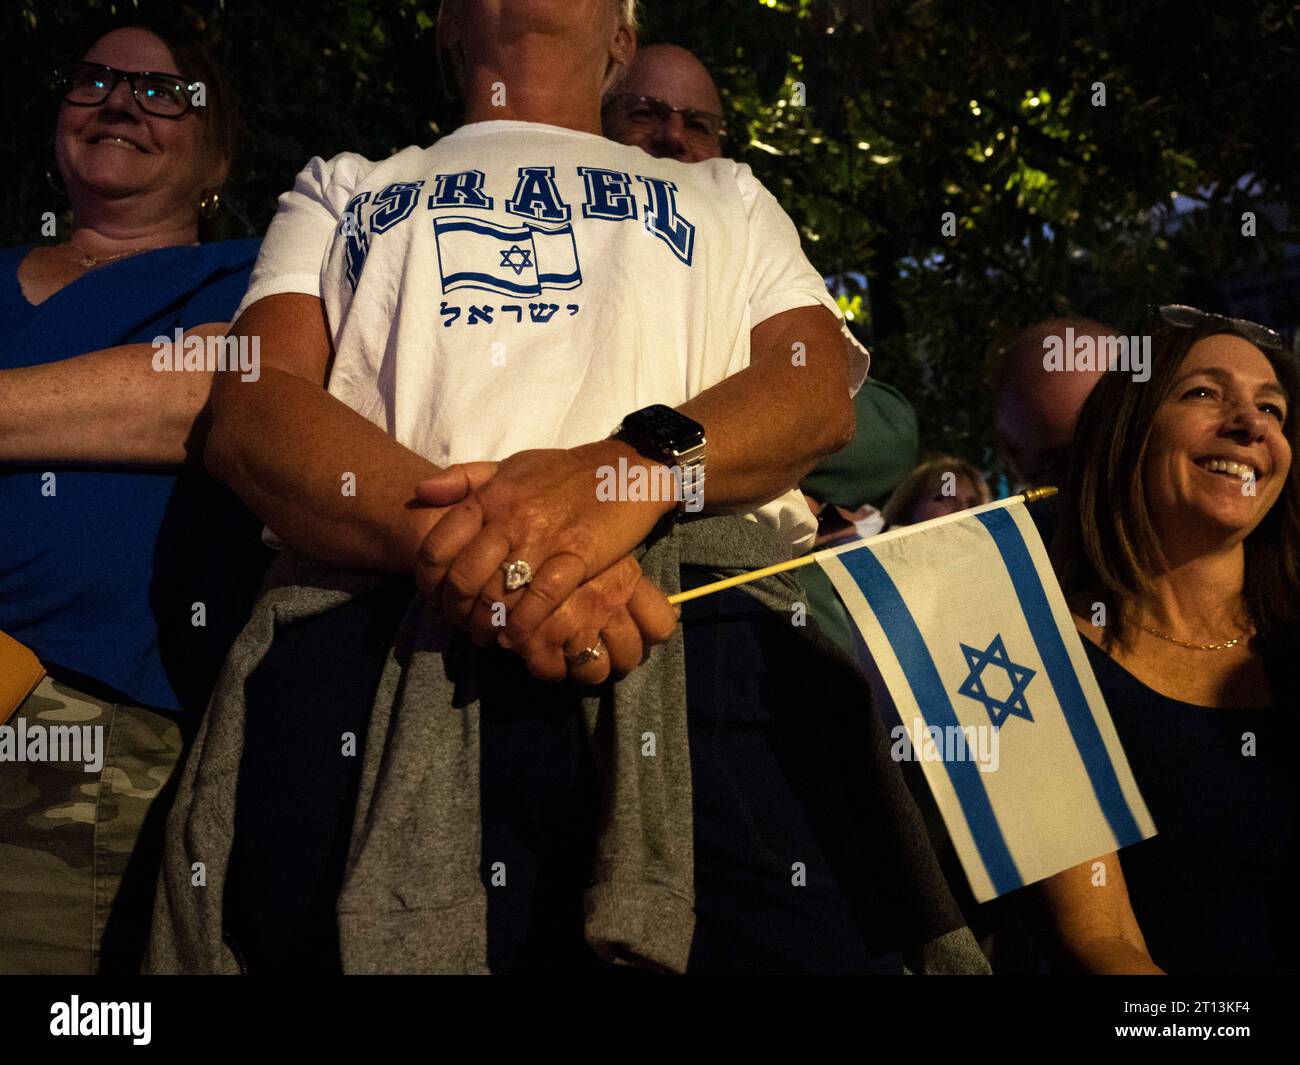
(541, 507)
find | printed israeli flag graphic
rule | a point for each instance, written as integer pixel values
(517, 261)
(965, 620)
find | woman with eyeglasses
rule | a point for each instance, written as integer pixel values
(1179, 553)
(124, 574)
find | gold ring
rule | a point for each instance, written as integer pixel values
(587, 654)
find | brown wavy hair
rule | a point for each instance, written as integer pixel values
(1106, 543)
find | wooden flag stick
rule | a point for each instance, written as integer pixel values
(1032, 495)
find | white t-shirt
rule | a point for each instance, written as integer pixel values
(519, 286)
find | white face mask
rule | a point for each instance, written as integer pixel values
(869, 524)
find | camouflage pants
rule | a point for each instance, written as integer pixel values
(79, 850)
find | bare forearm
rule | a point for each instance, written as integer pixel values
(768, 425)
(327, 481)
(108, 407)
(1114, 956)
(1085, 919)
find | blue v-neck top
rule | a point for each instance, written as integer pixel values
(100, 569)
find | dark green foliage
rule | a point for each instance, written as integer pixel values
(1068, 211)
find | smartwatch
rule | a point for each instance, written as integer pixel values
(676, 440)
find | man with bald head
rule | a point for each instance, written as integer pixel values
(667, 105)
(1035, 408)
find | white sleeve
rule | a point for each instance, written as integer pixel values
(780, 276)
(298, 241)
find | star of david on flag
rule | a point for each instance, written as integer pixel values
(973, 686)
(520, 261)
(969, 630)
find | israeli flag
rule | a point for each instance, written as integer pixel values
(519, 261)
(970, 631)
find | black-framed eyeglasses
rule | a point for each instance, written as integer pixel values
(1184, 317)
(646, 111)
(90, 84)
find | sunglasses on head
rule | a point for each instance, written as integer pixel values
(1182, 316)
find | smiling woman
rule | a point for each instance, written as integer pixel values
(143, 143)
(1178, 551)
(1145, 501)
(125, 575)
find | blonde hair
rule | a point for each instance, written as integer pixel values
(627, 19)
(914, 486)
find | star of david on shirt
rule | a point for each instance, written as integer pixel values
(973, 686)
(517, 258)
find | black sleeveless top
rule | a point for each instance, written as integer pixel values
(1215, 891)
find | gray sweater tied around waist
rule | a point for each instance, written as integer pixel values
(412, 899)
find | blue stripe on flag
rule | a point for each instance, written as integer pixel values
(458, 225)
(497, 284)
(918, 666)
(1056, 660)
(572, 280)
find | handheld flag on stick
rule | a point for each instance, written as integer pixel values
(1031, 495)
(971, 634)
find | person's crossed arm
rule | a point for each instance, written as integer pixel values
(766, 427)
(103, 408)
(289, 449)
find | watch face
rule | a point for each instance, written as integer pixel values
(664, 428)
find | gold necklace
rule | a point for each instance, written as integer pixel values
(1195, 646)
(91, 261)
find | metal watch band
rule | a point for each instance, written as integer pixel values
(690, 465)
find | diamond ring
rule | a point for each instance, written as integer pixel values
(518, 573)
